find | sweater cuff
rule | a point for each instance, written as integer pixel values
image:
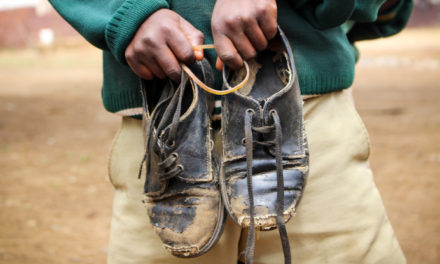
(125, 22)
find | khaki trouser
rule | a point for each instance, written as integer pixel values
(341, 218)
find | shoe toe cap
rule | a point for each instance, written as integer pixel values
(187, 224)
(265, 197)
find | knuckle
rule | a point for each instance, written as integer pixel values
(261, 7)
(260, 10)
(129, 54)
(199, 36)
(172, 71)
(233, 21)
(216, 26)
(187, 56)
(229, 57)
(273, 7)
(250, 54)
(265, 8)
(247, 19)
(166, 28)
(149, 41)
(137, 49)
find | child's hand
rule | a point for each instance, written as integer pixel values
(241, 28)
(163, 41)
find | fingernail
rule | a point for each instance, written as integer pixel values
(198, 54)
(219, 64)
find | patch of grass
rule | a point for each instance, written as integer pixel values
(5, 147)
(55, 185)
(84, 158)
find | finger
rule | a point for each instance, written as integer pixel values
(169, 64)
(141, 70)
(156, 69)
(198, 53)
(148, 59)
(243, 45)
(194, 35)
(256, 36)
(227, 52)
(268, 23)
(181, 47)
(219, 64)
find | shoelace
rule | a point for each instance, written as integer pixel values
(276, 142)
(165, 133)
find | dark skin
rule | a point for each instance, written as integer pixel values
(240, 28)
(161, 42)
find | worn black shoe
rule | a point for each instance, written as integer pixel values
(182, 193)
(265, 154)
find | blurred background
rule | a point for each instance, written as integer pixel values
(55, 198)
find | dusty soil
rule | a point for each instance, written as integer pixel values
(55, 198)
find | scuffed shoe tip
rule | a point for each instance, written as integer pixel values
(185, 223)
(183, 251)
(265, 221)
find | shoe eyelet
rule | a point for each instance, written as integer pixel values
(180, 166)
(243, 141)
(250, 111)
(273, 111)
(175, 155)
(173, 143)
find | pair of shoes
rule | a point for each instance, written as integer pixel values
(261, 176)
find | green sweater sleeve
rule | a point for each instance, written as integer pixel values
(108, 25)
(326, 14)
(387, 24)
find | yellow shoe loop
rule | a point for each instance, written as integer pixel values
(207, 88)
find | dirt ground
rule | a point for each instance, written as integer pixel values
(55, 198)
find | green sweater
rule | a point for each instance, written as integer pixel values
(322, 45)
